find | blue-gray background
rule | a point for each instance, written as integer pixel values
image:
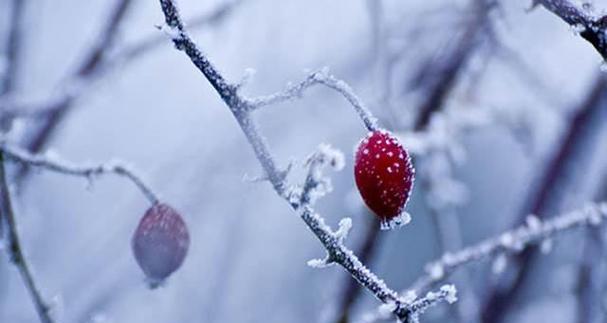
(247, 261)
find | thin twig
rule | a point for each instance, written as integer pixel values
(86, 171)
(321, 77)
(15, 249)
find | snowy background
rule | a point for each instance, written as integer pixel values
(247, 261)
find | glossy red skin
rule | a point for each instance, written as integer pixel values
(160, 242)
(384, 174)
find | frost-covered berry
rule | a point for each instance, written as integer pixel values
(160, 243)
(384, 176)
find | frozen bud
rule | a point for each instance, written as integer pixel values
(160, 243)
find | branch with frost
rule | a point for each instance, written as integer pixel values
(591, 28)
(58, 165)
(14, 249)
(8, 226)
(242, 110)
(514, 241)
(533, 232)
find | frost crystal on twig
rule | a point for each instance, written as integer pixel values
(315, 185)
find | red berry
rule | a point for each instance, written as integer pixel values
(160, 243)
(384, 176)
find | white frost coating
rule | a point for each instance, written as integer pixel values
(408, 297)
(316, 185)
(345, 225)
(249, 74)
(319, 263)
(435, 270)
(577, 29)
(385, 310)
(447, 293)
(332, 156)
(533, 223)
(171, 32)
(450, 293)
(396, 222)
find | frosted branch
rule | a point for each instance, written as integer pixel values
(513, 241)
(593, 29)
(321, 77)
(15, 251)
(242, 108)
(87, 171)
(534, 231)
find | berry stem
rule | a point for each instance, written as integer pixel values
(87, 171)
(320, 77)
